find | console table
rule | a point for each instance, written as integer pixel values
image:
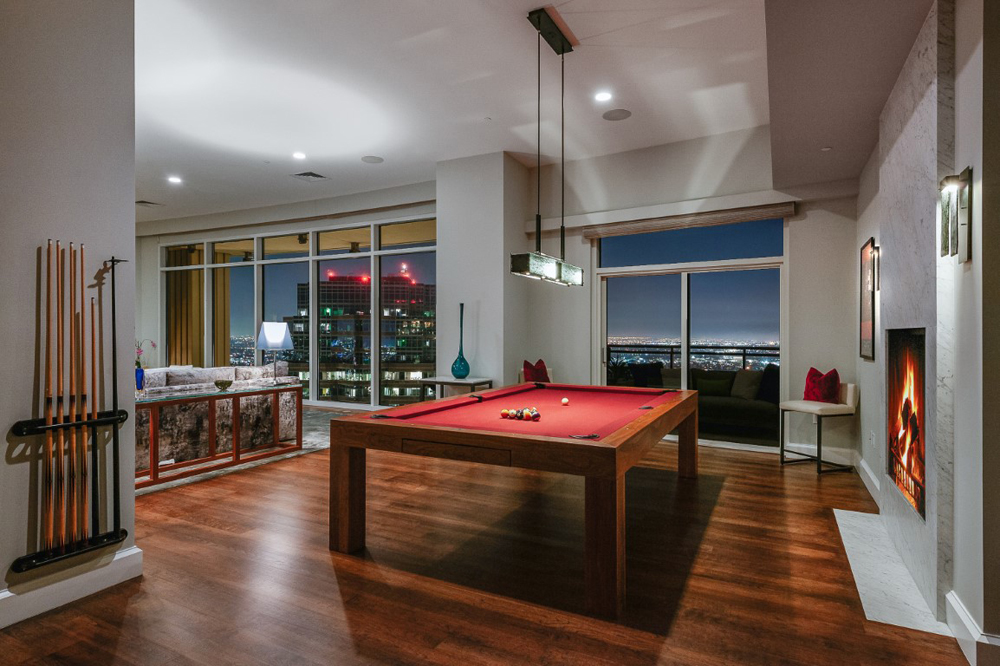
(191, 433)
(438, 383)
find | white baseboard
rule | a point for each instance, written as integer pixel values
(57, 589)
(870, 479)
(979, 648)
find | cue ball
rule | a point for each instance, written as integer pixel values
(565, 401)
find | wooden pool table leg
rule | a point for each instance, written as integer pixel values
(604, 550)
(687, 451)
(347, 499)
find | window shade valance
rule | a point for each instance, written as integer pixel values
(709, 218)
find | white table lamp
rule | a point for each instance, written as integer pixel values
(274, 336)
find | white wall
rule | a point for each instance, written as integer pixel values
(713, 166)
(480, 209)
(66, 172)
(822, 309)
(870, 372)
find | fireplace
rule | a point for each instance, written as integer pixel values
(907, 453)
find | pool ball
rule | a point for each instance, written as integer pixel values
(504, 413)
(565, 401)
(535, 416)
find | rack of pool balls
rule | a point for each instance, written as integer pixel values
(526, 414)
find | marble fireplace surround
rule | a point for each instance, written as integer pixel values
(916, 146)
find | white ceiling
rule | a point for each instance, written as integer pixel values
(227, 90)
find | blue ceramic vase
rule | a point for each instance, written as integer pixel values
(460, 368)
(140, 379)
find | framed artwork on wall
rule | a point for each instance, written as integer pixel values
(868, 300)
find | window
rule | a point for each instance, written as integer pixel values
(232, 252)
(185, 317)
(743, 240)
(183, 255)
(332, 275)
(408, 235)
(291, 246)
(286, 298)
(234, 333)
(408, 302)
(345, 321)
(345, 241)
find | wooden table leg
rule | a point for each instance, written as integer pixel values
(687, 452)
(604, 550)
(347, 499)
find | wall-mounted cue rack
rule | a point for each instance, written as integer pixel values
(71, 489)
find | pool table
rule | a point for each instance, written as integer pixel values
(601, 433)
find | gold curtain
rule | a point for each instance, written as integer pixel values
(186, 317)
(220, 316)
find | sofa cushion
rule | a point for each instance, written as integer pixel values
(770, 384)
(697, 375)
(746, 384)
(154, 378)
(199, 376)
(261, 371)
(646, 374)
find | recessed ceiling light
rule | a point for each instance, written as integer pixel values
(176, 180)
(299, 155)
(826, 149)
(617, 114)
(372, 159)
(603, 96)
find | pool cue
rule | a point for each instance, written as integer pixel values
(95, 515)
(71, 504)
(47, 457)
(116, 500)
(82, 453)
(60, 494)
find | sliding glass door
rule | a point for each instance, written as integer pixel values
(643, 346)
(734, 319)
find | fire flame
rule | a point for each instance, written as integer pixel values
(908, 405)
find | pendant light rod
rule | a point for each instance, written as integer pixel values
(562, 155)
(538, 155)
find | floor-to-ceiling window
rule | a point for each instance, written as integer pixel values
(333, 287)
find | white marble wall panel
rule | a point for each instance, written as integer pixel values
(908, 142)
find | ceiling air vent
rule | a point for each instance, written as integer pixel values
(147, 204)
(309, 176)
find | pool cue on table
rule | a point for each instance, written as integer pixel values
(47, 456)
(71, 504)
(82, 453)
(60, 494)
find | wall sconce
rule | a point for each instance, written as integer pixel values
(877, 251)
(956, 216)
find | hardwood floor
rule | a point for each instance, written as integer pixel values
(471, 564)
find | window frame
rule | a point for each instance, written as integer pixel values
(313, 258)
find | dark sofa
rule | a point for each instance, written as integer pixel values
(743, 407)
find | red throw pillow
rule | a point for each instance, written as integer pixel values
(537, 372)
(822, 388)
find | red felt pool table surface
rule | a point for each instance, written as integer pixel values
(592, 410)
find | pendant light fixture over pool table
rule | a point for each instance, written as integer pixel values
(538, 265)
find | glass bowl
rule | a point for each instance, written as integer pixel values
(223, 384)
